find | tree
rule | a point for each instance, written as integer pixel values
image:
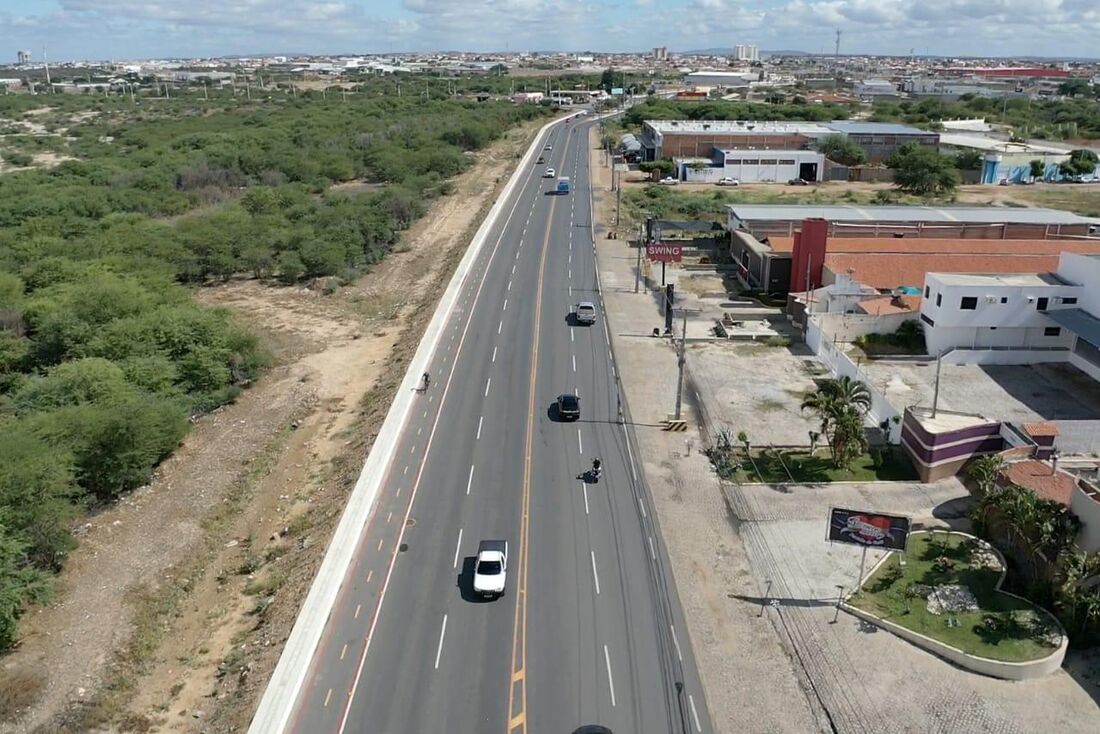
(607, 80)
(1078, 87)
(841, 149)
(841, 405)
(20, 584)
(1081, 162)
(920, 170)
(984, 471)
(1038, 169)
(969, 160)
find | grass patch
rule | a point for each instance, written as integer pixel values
(771, 466)
(1003, 628)
(1081, 199)
(18, 690)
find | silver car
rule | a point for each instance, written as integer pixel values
(585, 312)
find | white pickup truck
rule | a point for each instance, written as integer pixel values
(491, 568)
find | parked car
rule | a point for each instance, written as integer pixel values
(798, 182)
(669, 181)
(727, 181)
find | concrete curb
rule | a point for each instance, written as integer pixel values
(1004, 669)
(281, 695)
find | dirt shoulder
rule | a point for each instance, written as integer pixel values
(172, 612)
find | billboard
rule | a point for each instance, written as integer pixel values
(868, 529)
(616, 91)
(663, 252)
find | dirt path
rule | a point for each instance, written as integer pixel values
(171, 613)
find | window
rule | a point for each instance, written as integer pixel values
(1004, 299)
(939, 298)
(1068, 301)
(927, 290)
(927, 320)
(968, 303)
(767, 161)
(1041, 304)
(1052, 331)
(733, 161)
(747, 162)
(786, 161)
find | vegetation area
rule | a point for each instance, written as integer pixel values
(922, 171)
(1002, 628)
(1053, 119)
(773, 466)
(1037, 537)
(908, 339)
(841, 404)
(103, 355)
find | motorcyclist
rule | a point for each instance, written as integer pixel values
(426, 380)
(597, 465)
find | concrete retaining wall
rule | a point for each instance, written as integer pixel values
(993, 668)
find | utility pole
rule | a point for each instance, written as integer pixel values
(936, 390)
(618, 192)
(205, 92)
(681, 358)
(638, 263)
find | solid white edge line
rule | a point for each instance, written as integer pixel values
(652, 550)
(281, 695)
(610, 680)
(694, 714)
(458, 546)
(439, 650)
(595, 576)
(676, 643)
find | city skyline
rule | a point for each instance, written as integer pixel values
(131, 29)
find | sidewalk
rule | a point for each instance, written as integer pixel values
(750, 684)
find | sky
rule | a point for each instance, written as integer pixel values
(134, 29)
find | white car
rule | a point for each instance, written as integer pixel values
(548, 147)
(727, 181)
(549, 173)
(585, 312)
(669, 181)
(491, 568)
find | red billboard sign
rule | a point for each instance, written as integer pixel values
(868, 529)
(662, 252)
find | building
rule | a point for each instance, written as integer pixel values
(874, 88)
(871, 252)
(23, 57)
(1003, 160)
(535, 97)
(749, 166)
(721, 79)
(697, 138)
(880, 140)
(660, 53)
(744, 52)
(1024, 318)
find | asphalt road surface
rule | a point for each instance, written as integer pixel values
(589, 630)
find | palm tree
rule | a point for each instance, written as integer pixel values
(984, 472)
(840, 404)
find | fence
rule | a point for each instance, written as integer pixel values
(841, 365)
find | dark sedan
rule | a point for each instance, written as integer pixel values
(569, 407)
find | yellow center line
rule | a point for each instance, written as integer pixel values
(517, 720)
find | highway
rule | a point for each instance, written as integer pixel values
(589, 630)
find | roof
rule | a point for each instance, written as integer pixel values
(687, 225)
(885, 305)
(954, 245)
(982, 142)
(894, 213)
(738, 127)
(994, 279)
(883, 270)
(1042, 428)
(859, 127)
(1038, 477)
(1080, 322)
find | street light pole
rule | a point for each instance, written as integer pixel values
(680, 363)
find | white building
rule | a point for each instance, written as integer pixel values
(744, 52)
(874, 88)
(660, 53)
(722, 79)
(528, 97)
(1018, 319)
(752, 166)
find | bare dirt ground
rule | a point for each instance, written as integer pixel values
(172, 612)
